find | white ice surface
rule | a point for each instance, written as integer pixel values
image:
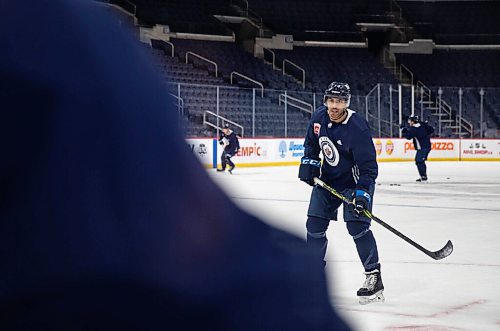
(461, 202)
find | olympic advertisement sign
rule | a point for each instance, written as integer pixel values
(252, 153)
(268, 152)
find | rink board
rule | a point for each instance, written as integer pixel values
(255, 152)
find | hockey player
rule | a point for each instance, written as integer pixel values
(420, 133)
(231, 144)
(349, 165)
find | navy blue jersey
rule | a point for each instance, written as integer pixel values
(429, 129)
(420, 133)
(349, 158)
(231, 142)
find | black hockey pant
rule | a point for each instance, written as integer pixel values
(226, 160)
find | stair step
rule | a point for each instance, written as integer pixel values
(446, 121)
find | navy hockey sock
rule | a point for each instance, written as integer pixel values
(422, 169)
(316, 236)
(230, 163)
(365, 244)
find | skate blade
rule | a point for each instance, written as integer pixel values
(377, 297)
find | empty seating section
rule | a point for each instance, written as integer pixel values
(332, 20)
(455, 67)
(236, 104)
(455, 22)
(326, 64)
(471, 69)
(471, 105)
(231, 57)
(196, 83)
(323, 65)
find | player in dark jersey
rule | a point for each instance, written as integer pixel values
(420, 133)
(231, 144)
(349, 165)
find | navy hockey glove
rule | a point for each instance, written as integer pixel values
(309, 168)
(361, 202)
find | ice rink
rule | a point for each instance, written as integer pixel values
(461, 202)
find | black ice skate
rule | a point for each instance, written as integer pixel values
(372, 289)
(422, 179)
(220, 170)
(231, 170)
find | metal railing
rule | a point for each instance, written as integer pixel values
(376, 87)
(172, 47)
(465, 125)
(385, 107)
(297, 103)
(202, 58)
(273, 56)
(424, 91)
(249, 79)
(180, 104)
(298, 67)
(224, 120)
(401, 67)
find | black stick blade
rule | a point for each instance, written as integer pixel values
(443, 252)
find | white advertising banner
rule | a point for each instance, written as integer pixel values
(203, 149)
(480, 149)
(267, 152)
(270, 152)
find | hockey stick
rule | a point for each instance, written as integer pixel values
(437, 255)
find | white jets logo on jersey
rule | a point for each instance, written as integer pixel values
(339, 142)
(330, 152)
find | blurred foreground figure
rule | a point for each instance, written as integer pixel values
(107, 222)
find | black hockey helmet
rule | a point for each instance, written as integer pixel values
(414, 119)
(338, 90)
